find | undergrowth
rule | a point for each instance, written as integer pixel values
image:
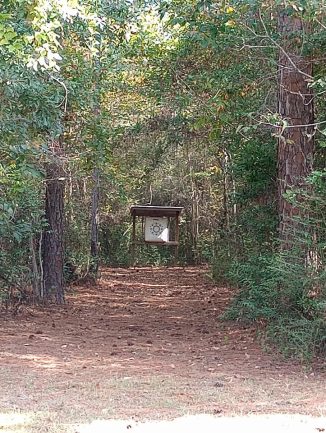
(286, 291)
(285, 300)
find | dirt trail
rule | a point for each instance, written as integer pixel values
(144, 343)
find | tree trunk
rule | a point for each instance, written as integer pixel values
(37, 282)
(52, 247)
(94, 224)
(296, 108)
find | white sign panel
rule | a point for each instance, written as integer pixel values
(156, 229)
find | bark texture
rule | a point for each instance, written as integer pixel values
(296, 108)
(94, 224)
(53, 243)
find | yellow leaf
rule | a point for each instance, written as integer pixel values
(230, 23)
(229, 10)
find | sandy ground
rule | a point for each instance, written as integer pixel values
(145, 350)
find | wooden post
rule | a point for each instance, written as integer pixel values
(176, 238)
(133, 242)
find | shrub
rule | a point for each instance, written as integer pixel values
(287, 290)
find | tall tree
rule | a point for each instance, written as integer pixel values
(94, 251)
(296, 108)
(52, 247)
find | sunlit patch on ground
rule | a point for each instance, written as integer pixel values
(211, 424)
(12, 421)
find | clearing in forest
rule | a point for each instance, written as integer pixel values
(148, 344)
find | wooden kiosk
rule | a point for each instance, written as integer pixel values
(159, 224)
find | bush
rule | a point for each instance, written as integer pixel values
(287, 290)
(300, 337)
(259, 289)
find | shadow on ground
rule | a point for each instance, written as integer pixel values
(145, 344)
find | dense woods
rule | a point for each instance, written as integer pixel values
(218, 107)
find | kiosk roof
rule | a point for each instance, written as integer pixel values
(155, 211)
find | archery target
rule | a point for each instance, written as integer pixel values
(156, 229)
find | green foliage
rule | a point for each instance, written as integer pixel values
(298, 337)
(287, 290)
(259, 296)
(114, 240)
